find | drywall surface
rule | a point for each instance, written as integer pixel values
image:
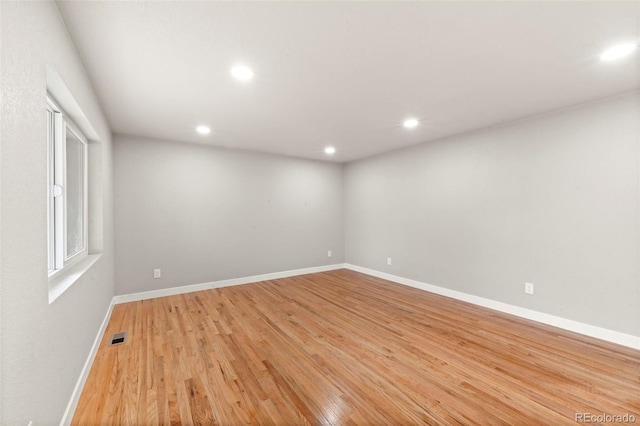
(44, 346)
(551, 200)
(202, 214)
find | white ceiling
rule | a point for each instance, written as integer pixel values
(345, 74)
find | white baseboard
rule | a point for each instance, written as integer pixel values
(124, 298)
(566, 324)
(77, 391)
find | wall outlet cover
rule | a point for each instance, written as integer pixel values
(528, 288)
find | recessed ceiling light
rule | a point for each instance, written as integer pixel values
(241, 72)
(203, 130)
(619, 51)
(410, 123)
(329, 150)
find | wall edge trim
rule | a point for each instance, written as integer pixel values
(611, 336)
(171, 291)
(84, 374)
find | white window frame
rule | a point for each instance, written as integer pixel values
(59, 124)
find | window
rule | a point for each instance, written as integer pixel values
(66, 191)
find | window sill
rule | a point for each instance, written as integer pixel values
(65, 279)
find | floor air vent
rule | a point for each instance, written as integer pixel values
(118, 338)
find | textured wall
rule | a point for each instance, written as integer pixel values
(44, 346)
(201, 213)
(551, 200)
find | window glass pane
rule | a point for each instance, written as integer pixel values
(75, 194)
(50, 217)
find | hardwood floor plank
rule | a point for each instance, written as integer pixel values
(344, 348)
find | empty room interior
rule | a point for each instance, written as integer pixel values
(301, 213)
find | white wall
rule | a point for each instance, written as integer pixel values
(551, 200)
(44, 346)
(201, 213)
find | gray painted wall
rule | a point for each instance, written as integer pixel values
(201, 213)
(551, 200)
(44, 346)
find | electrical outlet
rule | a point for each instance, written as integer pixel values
(329, 253)
(388, 261)
(528, 288)
(157, 273)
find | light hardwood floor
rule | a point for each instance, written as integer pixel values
(342, 347)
